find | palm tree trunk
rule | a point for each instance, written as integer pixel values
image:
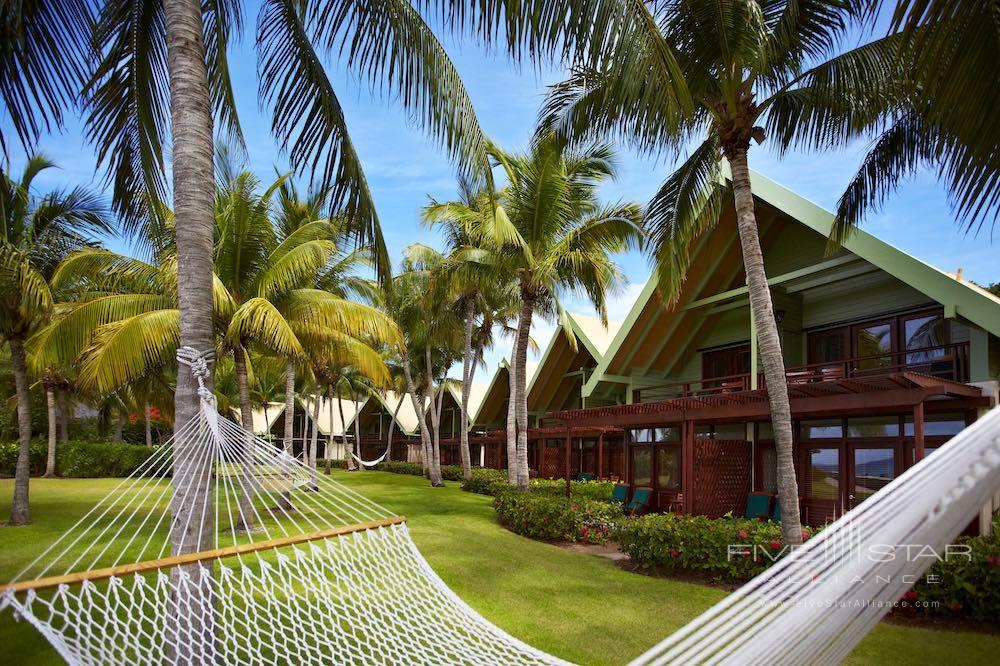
(314, 440)
(328, 457)
(289, 406)
(343, 437)
(149, 427)
(467, 365)
(194, 209)
(521, 409)
(425, 436)
(435, 449)
(357, 431)
(20, 514)
(769, 344)
(512, 417)
(119, 434)
(65, 412)
(392, 429)
(246, 419)
(50, 403)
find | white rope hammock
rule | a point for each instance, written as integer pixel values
(297, 568)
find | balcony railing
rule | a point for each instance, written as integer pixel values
(950, 361)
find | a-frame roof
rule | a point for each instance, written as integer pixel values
(559, 374)
(717, 266)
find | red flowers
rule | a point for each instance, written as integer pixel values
(992, 560)
(673, 553)
(776, 545)
(805, 535)
(910, 596)
(743, 534)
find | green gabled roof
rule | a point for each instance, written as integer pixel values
(957, 296)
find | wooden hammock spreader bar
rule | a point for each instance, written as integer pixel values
(50, 582)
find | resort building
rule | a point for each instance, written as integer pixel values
(886, 358)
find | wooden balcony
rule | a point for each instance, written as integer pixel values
(950, 362)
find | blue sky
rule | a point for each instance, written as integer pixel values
(404, 168)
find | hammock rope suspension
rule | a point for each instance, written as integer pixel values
(295, 567)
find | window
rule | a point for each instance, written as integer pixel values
(765, 430)
(724, 362)
(876, 426)
(873, 340)
(668, 467)
(642, 466)
(643, 435)
(768, 480)
(924, 330)
(928, 450)
(730, 431)
(823, 474)
(832, 346)
(873, 469)
(937, 425)
(672, 434)
(828, 429)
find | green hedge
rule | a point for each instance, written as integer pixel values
(486, 481)
(448, 472)
(968, 586)
(76, 459)
(541, 516)
(724, 549)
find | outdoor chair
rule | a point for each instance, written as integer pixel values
(640, 501)
(584, 476)
(619, 493)
(776, 514)
(676, 505)
(758, 506)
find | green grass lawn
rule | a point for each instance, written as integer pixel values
(580, 607)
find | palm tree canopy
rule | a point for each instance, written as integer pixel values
(36, 233)
(120, 322)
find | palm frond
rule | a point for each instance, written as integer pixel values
(128, 350)
(43, 60)
(260, 321)
(308, 120)
(688, 203)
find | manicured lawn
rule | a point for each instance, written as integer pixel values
(579, 607)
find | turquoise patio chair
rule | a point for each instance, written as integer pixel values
(758, 506)
(776, 514)
(620, 493)
(584, 476)
(640, 500)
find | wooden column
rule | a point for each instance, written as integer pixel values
(918, 431)
(569, 443)
(600, 455)
(687, 465)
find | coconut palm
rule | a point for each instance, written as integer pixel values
(557, 237)
(482, 289)
(935, 87)
(745, 69)
(36, 232)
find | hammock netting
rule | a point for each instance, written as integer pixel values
(292, 566)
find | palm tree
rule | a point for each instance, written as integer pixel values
(933, 87)
(37, 232)
(556, 237)
(482, 290)
(745, 72)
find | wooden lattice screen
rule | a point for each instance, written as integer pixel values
(721, 476)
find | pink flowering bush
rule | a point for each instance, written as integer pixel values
(964, 586)
(725, 549)
(550, 518)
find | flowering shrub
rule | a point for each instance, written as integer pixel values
(967, 586)
(541, 516)
(725, 549)
(448, 472)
